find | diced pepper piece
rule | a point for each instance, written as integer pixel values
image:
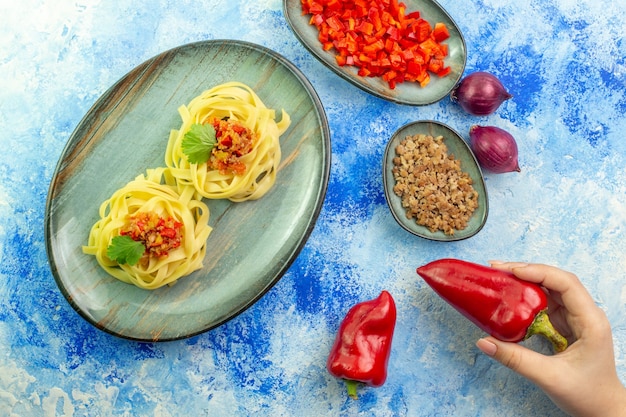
(422, 30)
(440, 32)
(380, 38)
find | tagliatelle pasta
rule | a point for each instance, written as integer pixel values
(153, 231)
(154, 195)
(236, 102)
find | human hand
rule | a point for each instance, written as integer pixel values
(582, 380)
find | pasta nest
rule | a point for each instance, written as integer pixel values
(155, 192)
(235, 101)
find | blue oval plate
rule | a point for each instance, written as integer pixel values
(408, 93)
(252, 243)
(457, 147)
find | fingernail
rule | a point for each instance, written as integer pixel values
(495, 262)
(487, 347)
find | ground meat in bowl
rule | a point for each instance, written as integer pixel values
(433, 188)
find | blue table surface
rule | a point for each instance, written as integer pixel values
(563, 60)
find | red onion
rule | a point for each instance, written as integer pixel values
(480, 93)
(494, 148)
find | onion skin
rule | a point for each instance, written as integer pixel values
(494, 148)
(480, 93)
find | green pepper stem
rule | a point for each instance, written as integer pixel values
(351, 386)
(543, 326)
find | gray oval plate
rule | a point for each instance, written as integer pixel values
(456, 146)
(252, 243)
(405, 93)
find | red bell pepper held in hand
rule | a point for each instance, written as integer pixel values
(363, 343)
(499, 303)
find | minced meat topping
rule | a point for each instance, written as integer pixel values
(433, 188)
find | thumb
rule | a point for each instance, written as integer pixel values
(525, 362)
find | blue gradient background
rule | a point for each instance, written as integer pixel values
(563, 60)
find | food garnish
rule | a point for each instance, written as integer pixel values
(125, 250)
(220, 142)
(198, 142)
(145, 233)
(362, 346)
(499, 303)
(234, 140)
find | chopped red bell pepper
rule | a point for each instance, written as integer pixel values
(380, 38)
(159, 235)
(499, 303)
(362, 347)
(440, 32)
(422, 30)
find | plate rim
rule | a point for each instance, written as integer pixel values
(70, 145)
(387, 179)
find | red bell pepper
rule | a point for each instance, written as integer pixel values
(361, 349)
(499, 303)
(380, 39)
